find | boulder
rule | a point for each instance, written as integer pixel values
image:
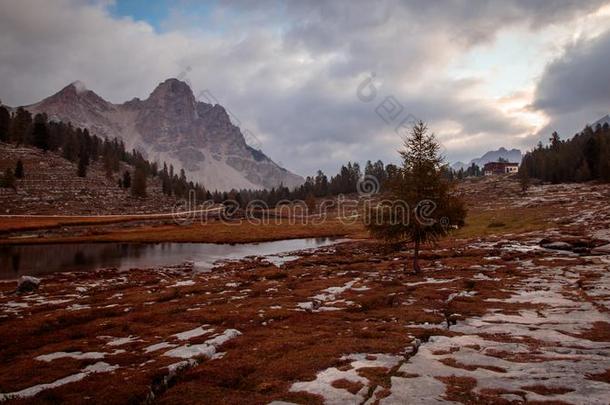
(601, 250)
(558, 246)
(27, 284)
(581, 250)
(575, 241)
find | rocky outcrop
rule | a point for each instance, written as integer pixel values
(172, 126)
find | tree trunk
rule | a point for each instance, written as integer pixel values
(416, 267)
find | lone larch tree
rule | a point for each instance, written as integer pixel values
(419, 205)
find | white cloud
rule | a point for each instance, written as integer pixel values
(290, 73)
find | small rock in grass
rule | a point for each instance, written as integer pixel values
(557, 246)
(581, 250)
(27, 284)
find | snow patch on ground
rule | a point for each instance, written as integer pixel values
(99, 367)
(489, 347)
(184, 283)
(326, 298)
(323, 384)
(206, 349)
(78, 307)
(331, 293)
(122, 341)
(158, 346)
(74, 355)
(279, 260)
(431, 281)
(189, 334)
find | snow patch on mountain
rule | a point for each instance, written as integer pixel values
(79, 86)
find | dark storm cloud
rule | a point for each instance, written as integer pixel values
(575, 89)
(578, 80)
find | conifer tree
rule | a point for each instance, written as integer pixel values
(583, 173)
(555, 140)
(321, 184)
(82, 166)
(419, 186)
(5, 124)
(19, 172)
(584, 157)
(40, 132)
(69, 148)
(524, 178)
(310, 202)
(138, 185)
(20, 126)
(107, 165)
(127, 179)
(8, 180)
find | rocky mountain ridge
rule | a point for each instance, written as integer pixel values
(172, 126)
(512, 155)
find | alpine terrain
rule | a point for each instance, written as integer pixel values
(172, 126)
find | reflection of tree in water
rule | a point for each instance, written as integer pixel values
(44, 259)
(48, 258)
(79, 258)
(16, 259)
(135, 250)
(9, 260)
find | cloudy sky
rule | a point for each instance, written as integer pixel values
(319, 83)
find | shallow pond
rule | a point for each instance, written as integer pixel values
(43, 259)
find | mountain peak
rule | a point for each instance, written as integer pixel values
(75, 88)
(173, 86)
(171, 126)
(73, 94)
(171, 80)
(513, 155)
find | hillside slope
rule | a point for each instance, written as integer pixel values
(51, 186)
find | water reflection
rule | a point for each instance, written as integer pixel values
(44, 259)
